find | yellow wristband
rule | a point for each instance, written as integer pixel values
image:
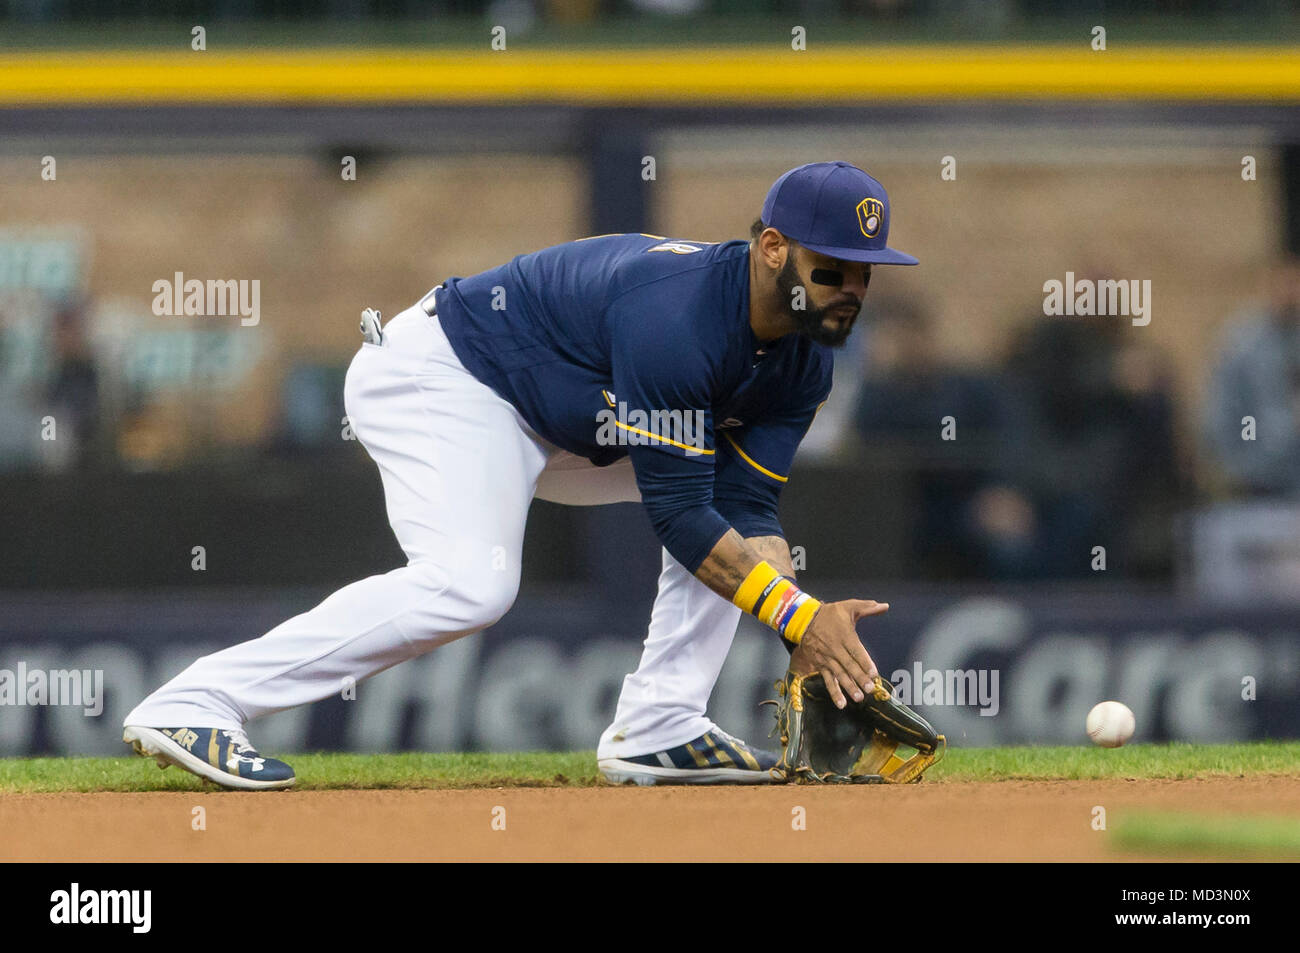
(803, 616)
(776, 602)
(756, 583)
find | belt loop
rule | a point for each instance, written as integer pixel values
(428, 304)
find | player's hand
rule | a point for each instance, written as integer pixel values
(831, 646)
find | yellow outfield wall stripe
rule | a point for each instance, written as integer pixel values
(668, 75)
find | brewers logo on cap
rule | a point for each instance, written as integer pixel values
(870, 214)
(833, 209)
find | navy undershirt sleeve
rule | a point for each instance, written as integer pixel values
(664, 375)
(752, 467)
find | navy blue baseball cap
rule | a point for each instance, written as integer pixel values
(836, 209)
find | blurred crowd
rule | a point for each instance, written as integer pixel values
(989, 12)
(1072, 438)
(1072, 448)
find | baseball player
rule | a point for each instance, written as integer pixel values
(623, 367)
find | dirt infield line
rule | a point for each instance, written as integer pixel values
(1007, 821)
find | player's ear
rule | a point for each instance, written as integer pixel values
(786, 251)
(773, 247)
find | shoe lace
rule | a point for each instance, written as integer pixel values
(240, 743)
(731, 739)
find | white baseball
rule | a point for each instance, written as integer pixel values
(1110, 724)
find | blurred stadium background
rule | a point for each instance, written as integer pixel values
(1172, 156)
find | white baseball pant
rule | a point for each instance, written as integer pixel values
(459, 467)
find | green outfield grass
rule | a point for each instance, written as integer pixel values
(578, 769)
(1234, 837)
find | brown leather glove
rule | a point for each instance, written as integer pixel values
(854, 745)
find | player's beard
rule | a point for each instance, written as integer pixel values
(810, 321)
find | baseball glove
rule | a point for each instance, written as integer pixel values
(854, 745)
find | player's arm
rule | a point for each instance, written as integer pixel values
(829, 643)
(728, 564)
(665, 368)
(823, 635)
(750, 470)
(776, 551)
(725, 579)
(747, 493)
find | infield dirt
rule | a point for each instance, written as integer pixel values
(1000, 821)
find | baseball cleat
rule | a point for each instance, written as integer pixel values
(713, 758)
(224, 757)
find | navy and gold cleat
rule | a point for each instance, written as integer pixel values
(713, 758)
(223, 757)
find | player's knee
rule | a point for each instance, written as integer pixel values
(490, 596)
(465, 600)
(428, 576)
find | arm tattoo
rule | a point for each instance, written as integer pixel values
(776, 551)
(726, 567)
(734, 557)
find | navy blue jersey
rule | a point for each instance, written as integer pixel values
(641, 345)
